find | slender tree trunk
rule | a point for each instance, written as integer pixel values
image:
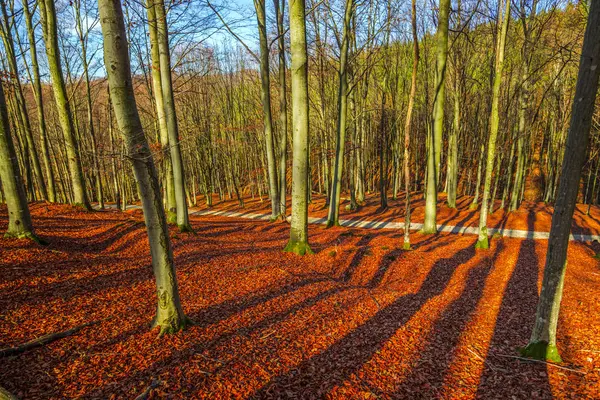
(336, 186)
(37, 92)
(452, 170)
(482, 242)
(265, 95)
(183, 221)
(23, 115)
(542, 344)
(509, 174)
(407, 125)
(50, 34)
(300, 186)
(515, 198)
(480, 159)
(159, 101)
(283, 124)
(90, 117)
(435, 139)
(169, 313)
(19, 219)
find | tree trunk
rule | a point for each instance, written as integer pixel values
(169, 314)
(542, 344)
(336, 186)
(452, 170)
(183, 221)
(283, 124)
(435, 139)
(22, 114)
(265, 96)
(407, 125)
(50, 34)
(19, 219)
(482, 242)
(88, 93)
(37, 92)
(300, 186)
(515, 199)
(169, 183)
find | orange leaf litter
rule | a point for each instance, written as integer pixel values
(358, 319)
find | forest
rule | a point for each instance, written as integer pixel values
(340, 199)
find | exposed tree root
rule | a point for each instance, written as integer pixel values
(542, 351)
(186, 228)
(331, 224)
(483, 244)
(172, 327)
(300, 248)
(43, 340)
(27, 235)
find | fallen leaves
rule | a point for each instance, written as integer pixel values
(371, 321)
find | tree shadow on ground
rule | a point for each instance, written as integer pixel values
(430, 370)
(512, 330)
(328, 286)
(319, 374)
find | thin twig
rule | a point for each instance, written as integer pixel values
(42, 340)
(541, 362)
(482, 359)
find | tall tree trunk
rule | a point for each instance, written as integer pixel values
(37, 93)
(169, 313)
(435, 139)
(283, 124)
(336, 186)
(300, 177)
(265, 96)
(407, 125)
(159, 101)
(452, 164)
(88, 95)
(19, 219)
(50, 34)
(183, 221)
(23, 115)
(542, 344)
(482, 242)
(515, 199)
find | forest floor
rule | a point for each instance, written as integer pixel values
(358, 319)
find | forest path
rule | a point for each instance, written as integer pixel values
(368, 224)
(359, 223)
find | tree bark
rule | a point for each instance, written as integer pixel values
(542, 344)
(435, 139)
(50, 34)
(283, 124)
(298, 242)
(407, 125)
(160, 115)
(22, 113)
(183, 221)
(483, 241)
(336, 186)
(37, 93)
(169, 314)
(19, 219)
(265, 96)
